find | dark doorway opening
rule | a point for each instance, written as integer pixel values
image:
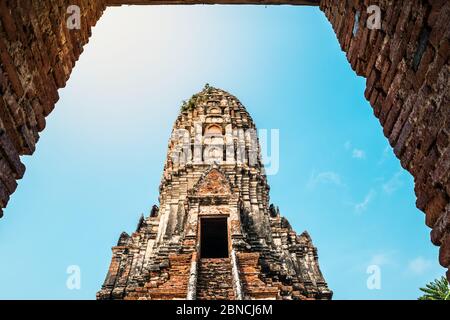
(214, 238)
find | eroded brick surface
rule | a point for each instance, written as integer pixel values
(406, 64)
(215, 279)
(37, 55)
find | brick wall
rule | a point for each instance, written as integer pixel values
(37, 55)
(172, 285)
(250, 273)
(406, 64)
(215, 280)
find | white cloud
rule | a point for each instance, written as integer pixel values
(380, 259)
(394, 183)
(419, 265)
(358, 154)
(327, 177)
(362, 206)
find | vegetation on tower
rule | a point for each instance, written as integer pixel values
(188, 105)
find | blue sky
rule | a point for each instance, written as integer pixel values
(99, 162)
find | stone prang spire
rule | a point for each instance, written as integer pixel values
(214, 235)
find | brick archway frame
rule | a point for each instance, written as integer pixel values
(406, 64)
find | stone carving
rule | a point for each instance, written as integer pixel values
(214, 183)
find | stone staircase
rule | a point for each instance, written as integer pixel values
(215, 280)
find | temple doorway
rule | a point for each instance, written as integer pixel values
(214, 238)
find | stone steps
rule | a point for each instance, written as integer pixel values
(215, 280)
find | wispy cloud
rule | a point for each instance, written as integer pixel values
(358, 154)
(327, 177)
(419, 265)
(384, 155)
(362, 206)
(394, 183)
(381, 259)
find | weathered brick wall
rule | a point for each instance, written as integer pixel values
(173, 285)
(406, 64)
(37, 55)
(215, 280)
(250, 272)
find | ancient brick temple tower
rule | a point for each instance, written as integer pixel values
(214, 235)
